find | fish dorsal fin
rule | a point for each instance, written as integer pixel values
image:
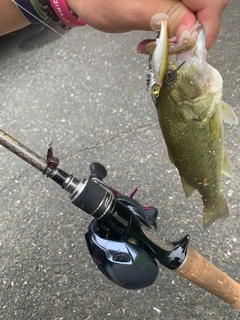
(228, 113)
(227, 166)
(187, 188)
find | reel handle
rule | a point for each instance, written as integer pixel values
(98, 171)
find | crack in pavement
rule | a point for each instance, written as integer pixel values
(110, 140)
(14, 179)
(97, 145)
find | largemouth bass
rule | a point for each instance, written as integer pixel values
(191, 114)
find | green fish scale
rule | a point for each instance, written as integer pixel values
(196, 150)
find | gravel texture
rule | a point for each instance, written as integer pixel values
(85, 93)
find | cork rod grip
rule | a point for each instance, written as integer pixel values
(203, 273)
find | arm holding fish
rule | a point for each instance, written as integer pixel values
(125, 15)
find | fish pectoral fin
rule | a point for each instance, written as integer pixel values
(228, 113)
(227, 166)
(187, 188)
(218, 211)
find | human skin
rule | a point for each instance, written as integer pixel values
(126, 15)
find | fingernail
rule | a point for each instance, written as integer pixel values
(181, 29)
(81, 22)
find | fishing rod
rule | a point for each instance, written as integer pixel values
(121, 237)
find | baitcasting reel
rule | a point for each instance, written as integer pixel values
(116, 241)
(121, 237)
(122, 259)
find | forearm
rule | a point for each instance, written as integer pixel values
(127, 15)
(11, 18)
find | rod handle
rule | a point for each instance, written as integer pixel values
(203, 273)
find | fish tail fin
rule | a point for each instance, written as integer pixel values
(218, 211)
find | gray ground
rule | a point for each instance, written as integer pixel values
(85, 92)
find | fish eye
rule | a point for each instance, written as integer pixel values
(170, 76)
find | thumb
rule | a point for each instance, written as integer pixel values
(181, 20)
(181, 17)
(211, 25)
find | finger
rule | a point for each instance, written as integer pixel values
(141, 48)
(181, 19)
(209, 14)
(211, 24)
(186, 23)
(179, 14)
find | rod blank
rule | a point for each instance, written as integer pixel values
(23, 152)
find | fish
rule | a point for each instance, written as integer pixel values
(191, 114)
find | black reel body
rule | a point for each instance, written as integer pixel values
(121, 259)
(123, 262)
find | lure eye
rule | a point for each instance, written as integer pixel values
(155, 90)
(170, 77)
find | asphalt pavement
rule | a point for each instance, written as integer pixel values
(85, 93)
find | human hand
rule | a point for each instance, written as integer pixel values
(209, 14)
(126, 15)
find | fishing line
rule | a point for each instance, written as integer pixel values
(179, 66)
(17, 4)
(173, 72)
